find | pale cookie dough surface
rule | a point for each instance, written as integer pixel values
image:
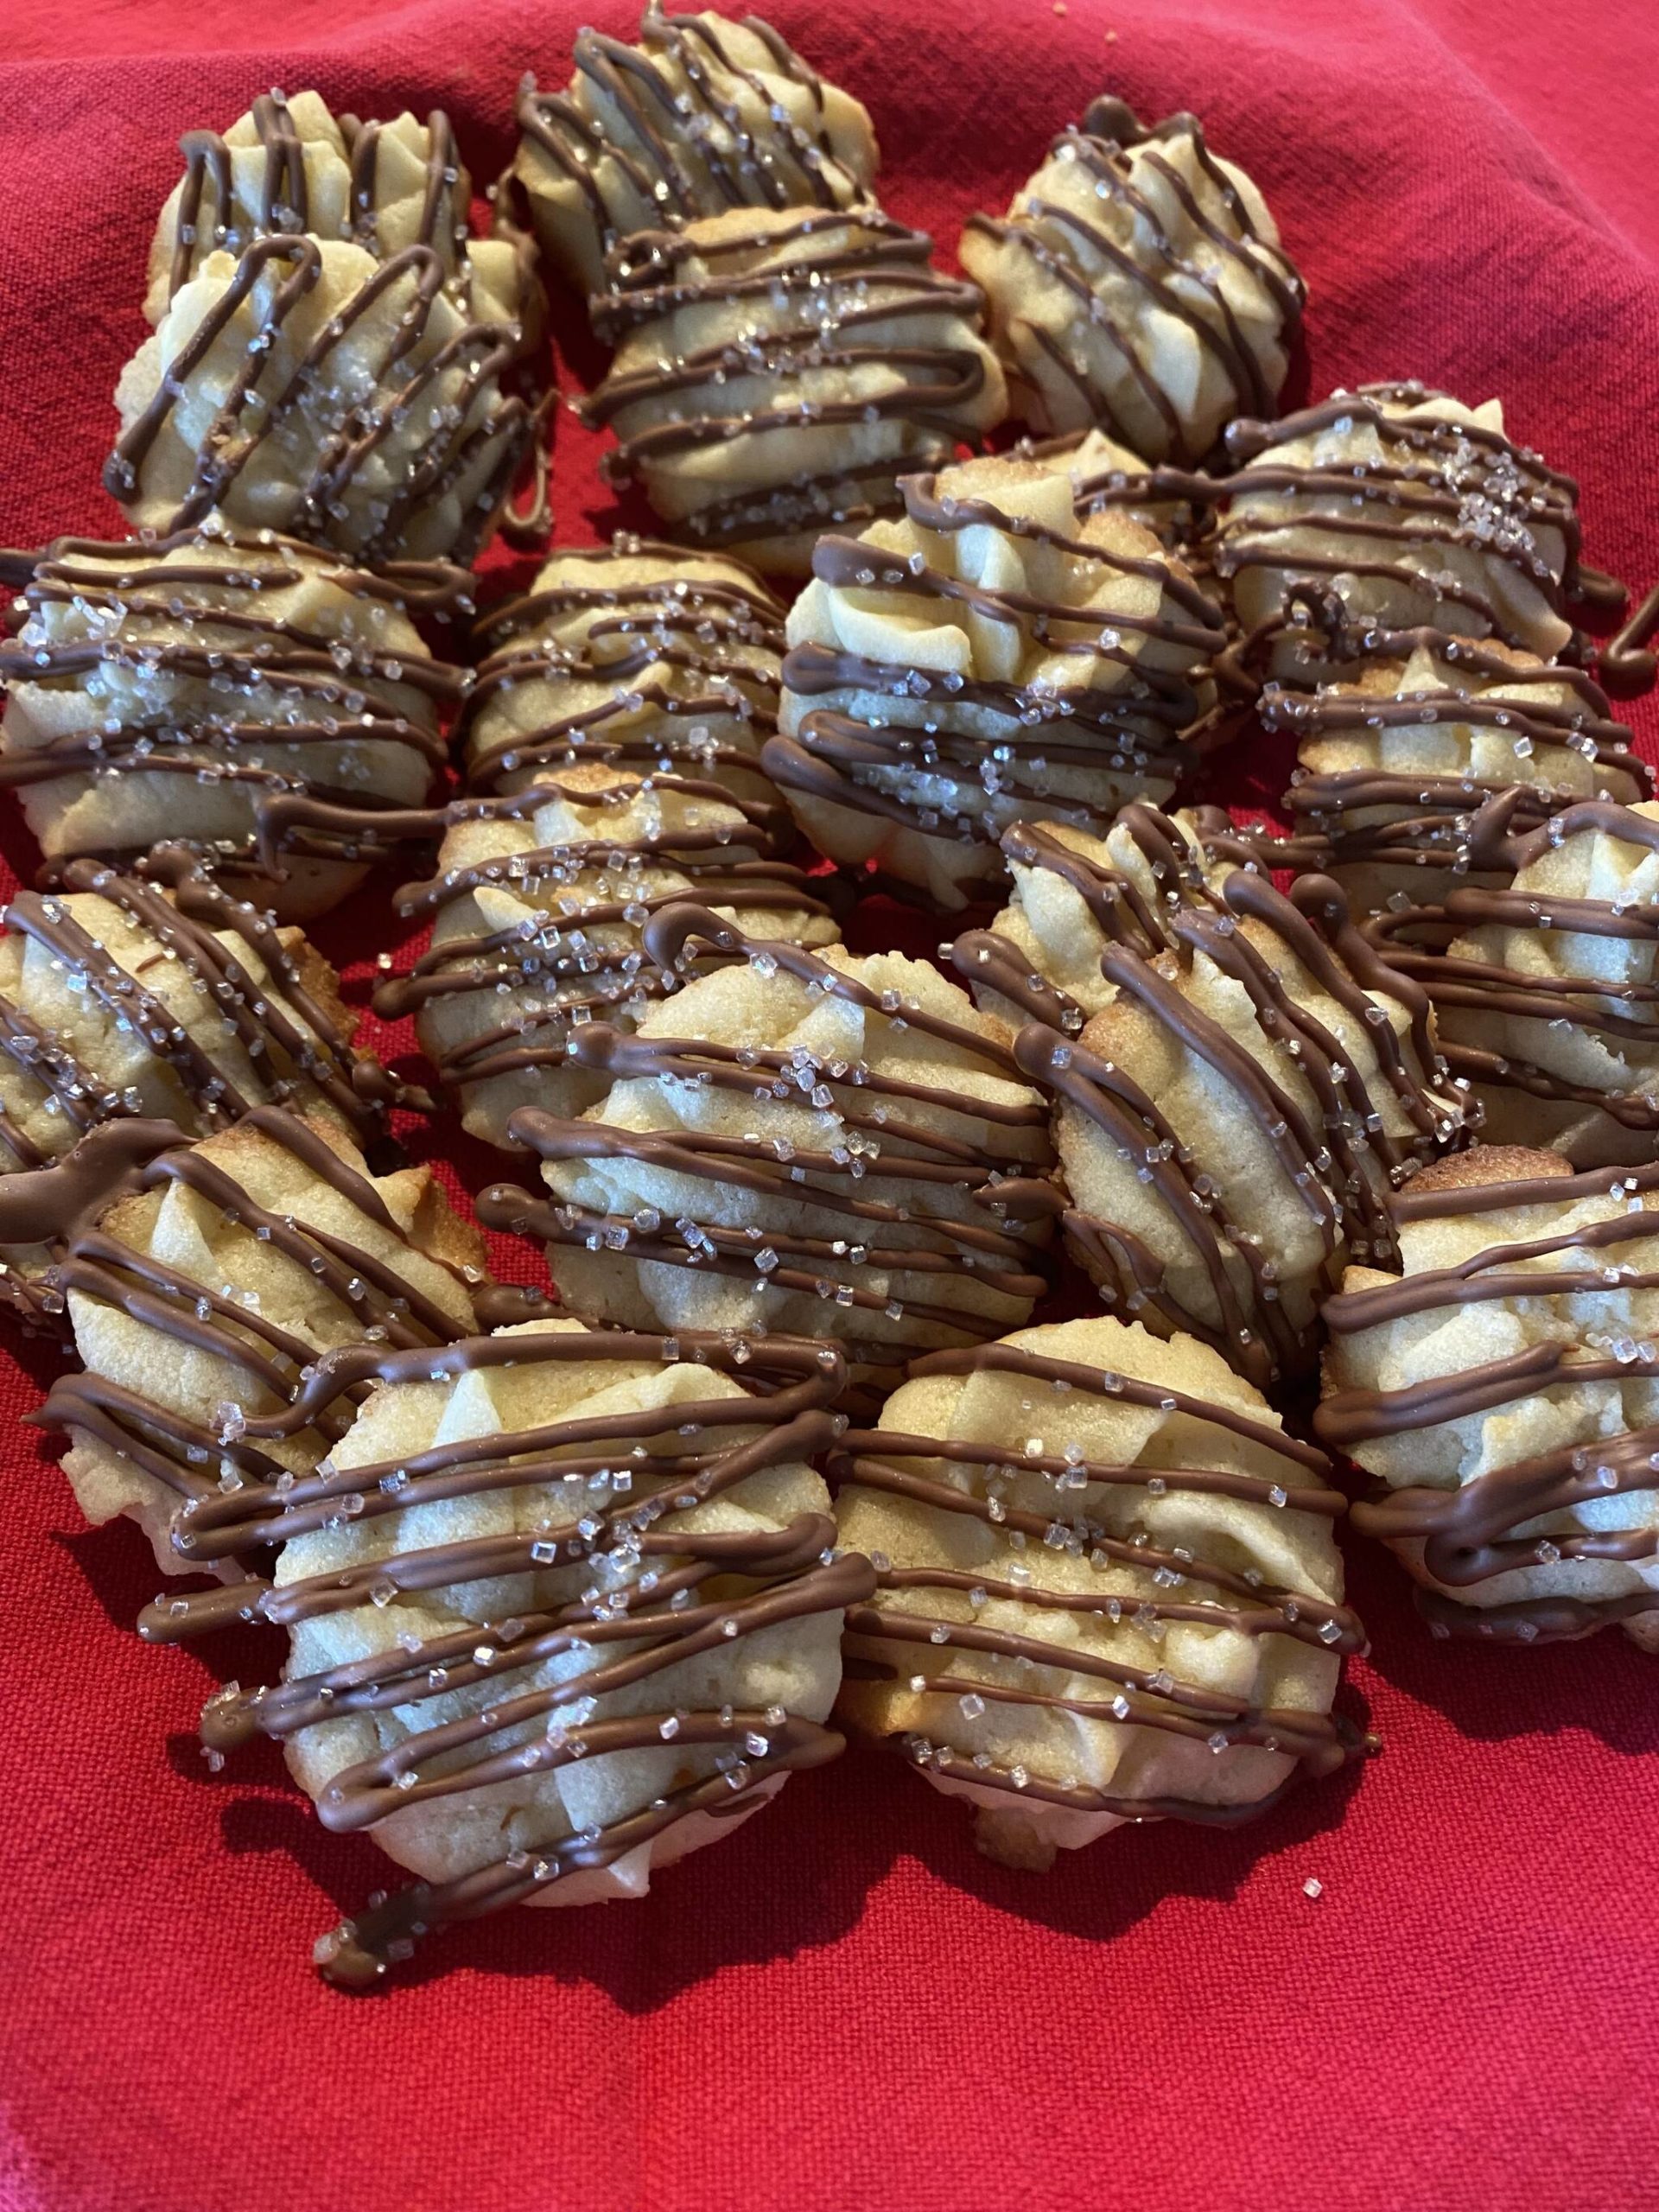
(157, 693)
(1410, 508)
(996, 656)
(777, 371)
(197, 1297)
(540, 902)
(1231, 1119)
(1108, 1591)
(636, 653)
(813, 1145)
(1137, 282)
(291, 166)
(1545, 987)
(305, 385)
(1502, 1391)
(1400, 761)
(704, 114)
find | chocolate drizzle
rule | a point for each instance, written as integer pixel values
(1216, 1593)
(1440, 487)
(1627, 663)
(682, 1592)
(1132, 720)
(1120, 157)
(1466, 1533)
(1339, 1161)
(985, 1159)
(815, 298)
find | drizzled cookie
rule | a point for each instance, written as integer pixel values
(777, 371)
(202, 1283)
(635, 656)
(1543, 979)
(374, 405)
(797, 1142)
(1410, 509)
(182, 1005)
(539, 906)
(1108, 1587)
(289, 165)
(157, 692)
(1398, 761)
(1501, 1388)
(996, 656)
(1137, 282)
(1231, 1120)
(702, 115)
(561, 1607)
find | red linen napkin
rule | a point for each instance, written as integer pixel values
(841, 2006)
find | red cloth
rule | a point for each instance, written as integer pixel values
(842, 2005)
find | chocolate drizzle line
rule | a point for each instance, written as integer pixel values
(478, 356)
(839, 298)
(683, 1601)
(183, 1454)
(1439, 484)
(1419, 942)
(1114, 149)
(721, 638)
(1465, 1534)
(1627, 663)
(1340, 1166)
(994, 1205)
(1427, 817)
(285, 197)
(1141, 724)
(875, 1459)
(689, 152)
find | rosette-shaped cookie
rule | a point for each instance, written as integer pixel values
(1400, 761)
(308, 385)
(1504, 1388)
(1170, 502)
(290, 166)
(638, 655)
(703, 115)
(1137, 282)
(539, 906)
(185, 1005)
(1409, 507)
(993, 658)
(1107, 1588)
(1232, 1119)
(156, 692)
(802, 1143)
(563, 1607)
(778, 371)
(1544, 982)
(201, 1285)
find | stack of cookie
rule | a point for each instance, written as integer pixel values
(574, 1579)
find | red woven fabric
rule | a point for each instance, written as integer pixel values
(842, 2005)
